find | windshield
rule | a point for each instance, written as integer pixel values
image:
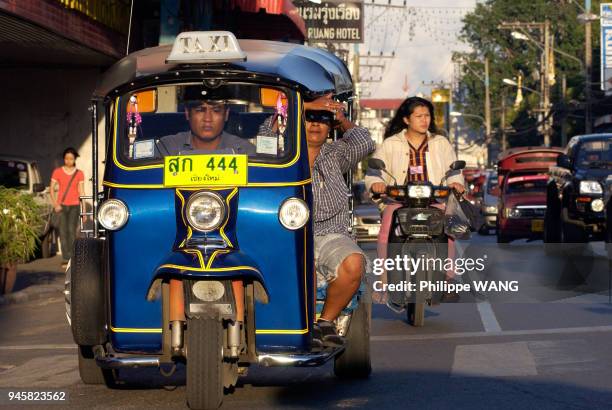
(526, 183)
(491, 183)
(236, 118)
(595, 154)
(14, 174)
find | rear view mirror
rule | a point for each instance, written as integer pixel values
(563, 161)
(376, 163)
(457, 165)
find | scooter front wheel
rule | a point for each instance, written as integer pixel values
(416, 314)
(204, 363)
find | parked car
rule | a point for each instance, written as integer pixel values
(22, 173)
(575, 192)
(522, 178)
(366, 216)
(490, 197)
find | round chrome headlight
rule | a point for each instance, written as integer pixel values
(205, 211)
(293, 213)
(597, 205)
(113, 214)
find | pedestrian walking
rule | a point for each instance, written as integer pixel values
(66, 186)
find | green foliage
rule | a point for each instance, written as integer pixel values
(508, 57)
(20, 222)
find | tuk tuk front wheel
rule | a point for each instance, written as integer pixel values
(204, 363)
(355, 361)
(90, 372)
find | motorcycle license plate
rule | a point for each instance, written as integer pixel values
(207, 169)
(537, 225)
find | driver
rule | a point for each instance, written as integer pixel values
(207, 111)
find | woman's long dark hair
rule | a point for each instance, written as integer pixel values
(397, 124)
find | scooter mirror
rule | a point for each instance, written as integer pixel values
(376, 163)
(457, 165)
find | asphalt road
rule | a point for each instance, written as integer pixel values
(546, 346)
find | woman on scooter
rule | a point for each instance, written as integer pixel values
(412, 151)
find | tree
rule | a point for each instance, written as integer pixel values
(509, 57)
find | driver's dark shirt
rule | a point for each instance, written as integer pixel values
(181, 142)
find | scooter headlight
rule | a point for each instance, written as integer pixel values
(293, 213)
(205, 211)
(419, 191)
(113, 214)
(208, 290)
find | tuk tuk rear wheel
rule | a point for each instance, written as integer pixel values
(355, 361)
(90, 372)
(204, 363)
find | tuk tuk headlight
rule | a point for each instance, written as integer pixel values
(205, 211)
(597, 205)
(293, 213)
(113, 214)
(419, 191)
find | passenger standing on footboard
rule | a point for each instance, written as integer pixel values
(338, 259)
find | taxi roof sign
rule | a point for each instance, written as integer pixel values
(205, 47)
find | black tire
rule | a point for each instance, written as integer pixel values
(552, 232)
(574, 239)
(45, 245)
(90, 372)
(415, 313)
(204, 363)
(87, 299)
(355, 362)
(501, 238)
(484, 230)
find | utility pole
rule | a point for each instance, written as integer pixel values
(546, 85)
(487, 102)
(587, 18)
(503, 122)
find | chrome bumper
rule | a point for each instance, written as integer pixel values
(298, 360)
(267, 360)
(114, 362)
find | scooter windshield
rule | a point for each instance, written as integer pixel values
(209, 117)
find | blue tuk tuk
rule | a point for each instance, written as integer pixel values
(205, 258)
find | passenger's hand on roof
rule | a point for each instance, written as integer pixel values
(324, 103)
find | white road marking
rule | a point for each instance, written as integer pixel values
(463, 335)
(487, 316)
(38, 347)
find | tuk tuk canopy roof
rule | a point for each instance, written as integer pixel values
(313, 69)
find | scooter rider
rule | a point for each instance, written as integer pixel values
(411, 151)
(337, 257)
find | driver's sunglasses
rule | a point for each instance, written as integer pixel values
(322, 117)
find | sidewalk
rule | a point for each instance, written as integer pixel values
(37, 279)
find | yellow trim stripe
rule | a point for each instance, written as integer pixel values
(281, 332)
(250, 164)
(249, 185)
(135, 330)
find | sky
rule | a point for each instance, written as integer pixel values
(423, 35)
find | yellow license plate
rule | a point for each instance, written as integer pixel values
(207, 169)
(537, 225)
